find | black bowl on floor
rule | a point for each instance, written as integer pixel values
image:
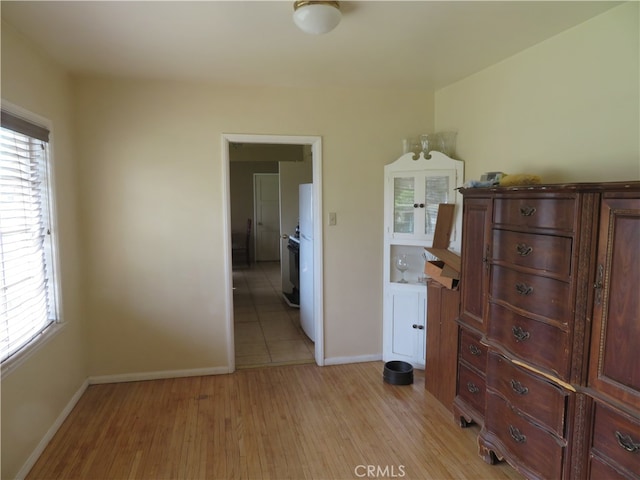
(398, 372)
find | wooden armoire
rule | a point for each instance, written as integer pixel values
(549, 328)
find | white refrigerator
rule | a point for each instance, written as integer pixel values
(307, 320)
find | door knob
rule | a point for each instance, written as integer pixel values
(285, 236)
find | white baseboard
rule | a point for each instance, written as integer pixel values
(28, 465)
(357, 359)
(138, 377)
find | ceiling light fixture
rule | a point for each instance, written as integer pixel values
(316, 17)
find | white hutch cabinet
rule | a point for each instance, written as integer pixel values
(413, 190)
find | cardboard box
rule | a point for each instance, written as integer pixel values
(435, 270)
(452, 260)
(446, 270)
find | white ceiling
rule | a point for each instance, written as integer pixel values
(415, 44)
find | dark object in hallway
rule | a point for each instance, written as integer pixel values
(241, 244)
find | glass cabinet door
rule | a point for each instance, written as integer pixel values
(437, 190)
(416, 196)
(403, 200)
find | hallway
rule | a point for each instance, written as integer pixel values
(267, 330)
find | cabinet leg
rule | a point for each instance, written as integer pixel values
(461, 418)
(463, 422)
(487, 454)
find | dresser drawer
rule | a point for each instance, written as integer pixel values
(549, 213)
(539, 344)
(599, 470)
(472, 351)
(617, 438)
(547, 253)
(538, 450)
(539, 295)
(471, 388)
(528, 392)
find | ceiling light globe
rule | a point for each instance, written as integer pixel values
(316, 17)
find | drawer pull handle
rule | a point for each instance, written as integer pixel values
(517, 435)
(626, 442)
(524, 289)
(527, 211)
(475, 351)
(520, 334)
(518, 387)
(524, 249)
(472, 387)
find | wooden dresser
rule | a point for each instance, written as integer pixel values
(549, 297)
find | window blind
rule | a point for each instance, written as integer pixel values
(27, 307)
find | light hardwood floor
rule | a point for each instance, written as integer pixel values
(288, 422)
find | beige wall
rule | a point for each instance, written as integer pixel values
(566, 109)
(152, 209)
(37, 391)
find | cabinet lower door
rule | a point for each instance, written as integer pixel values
(408, 326)
(442, 342)
(475, 250)
(615, 341)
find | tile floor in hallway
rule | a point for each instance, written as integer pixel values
(267, 330)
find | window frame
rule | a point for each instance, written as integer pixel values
(11, 363)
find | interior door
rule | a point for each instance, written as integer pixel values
(266, 197)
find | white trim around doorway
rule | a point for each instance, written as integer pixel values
(318, 300)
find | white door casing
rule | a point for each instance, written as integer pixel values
(316, 150)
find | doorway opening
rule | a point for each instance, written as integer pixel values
(267, 279)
